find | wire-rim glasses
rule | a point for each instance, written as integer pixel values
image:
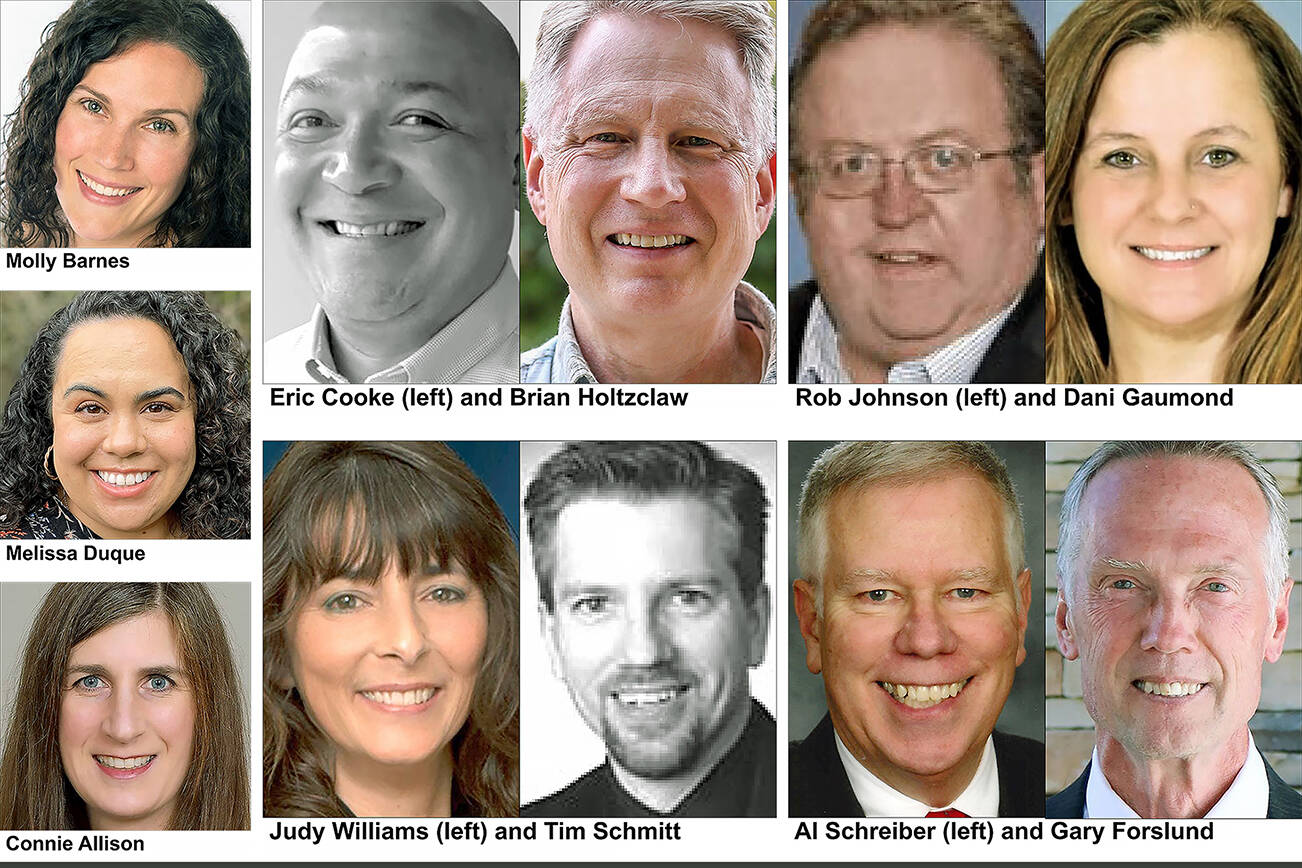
(852, 170)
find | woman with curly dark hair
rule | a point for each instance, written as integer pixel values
(132, 130)
(129, 419)
(390, 636)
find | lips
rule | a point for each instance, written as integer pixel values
(378, 229)
(124, 768)
(1168, 688)
(904, 257)
(627, 239)
(1172, 254)
(636, 698)
(124, 479)
(401, 697)
(923, 695)
(107, 190)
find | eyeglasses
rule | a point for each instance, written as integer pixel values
(853, 171)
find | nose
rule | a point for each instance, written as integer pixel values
(123, 722)
(646, 639)
(652, 179)
(926, 631)
(401, 632)
(1173, 199)
(360, 163)
(897, 200)
(125, 435)
(1170, 626)
(115, 147)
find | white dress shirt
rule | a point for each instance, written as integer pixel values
(980, 799)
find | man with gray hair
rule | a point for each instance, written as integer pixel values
(650, 157)
(913, 606)
(1172, 591)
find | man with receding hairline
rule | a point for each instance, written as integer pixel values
(397, 170)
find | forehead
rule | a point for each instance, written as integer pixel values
(148, 75)
(1146, 87)
(894, 84)
(138, 347)
(146, 639)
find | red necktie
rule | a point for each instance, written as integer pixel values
(948, 812)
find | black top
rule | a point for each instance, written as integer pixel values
(743, 784)
(51, 520)
(1016, 355)
(819, 787)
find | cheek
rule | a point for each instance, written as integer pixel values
(73, 441)
(463, 641)
(856, 645)
(176, 443)
(294, 174)
(174, 722)
(77, 722)
(71, 139)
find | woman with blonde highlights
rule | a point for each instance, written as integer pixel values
(1174, 158)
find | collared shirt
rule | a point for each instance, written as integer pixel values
(878, 799)
(479, 345)
(1248, 795)
(560, 360)
(956, 362)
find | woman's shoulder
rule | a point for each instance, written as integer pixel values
(50, 520)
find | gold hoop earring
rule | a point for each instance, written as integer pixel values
(46, 464)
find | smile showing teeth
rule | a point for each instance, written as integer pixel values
(923, 695)
(645, 698)
(105, 190)
(367, 230)
(901, 258)
(1173, 255)
(127, 762)
(625, 240)
(400, 697)
(1170, 688)
(124, 479)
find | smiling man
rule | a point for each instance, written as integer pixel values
(650, 565)
(1173, 592)
(913, 608)
(649, 146)
(397, 170)
(917, 141)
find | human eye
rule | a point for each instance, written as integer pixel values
(342, 602)
(604, 139)
(852, 163)
(966, 593)
(691, 599)
(1217, 587)
(307, 124)
(90, 408)
(1219, 158)
(1121, 160)
(446, 594)
(89, 682)
(159, 683)
(590, 605)
(91, 105)
(155, 408)
(698, 142)
(876, 595)
(942, 159)
(422, 119)
(160, 125)
(1122, 584)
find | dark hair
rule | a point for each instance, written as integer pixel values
(354, 508)
(641, 470)
(215, 500)
(34, 791)
(212, 209)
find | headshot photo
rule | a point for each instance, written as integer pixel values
(650, 174)
(127, 417)
(1175, 157)
(126, 123)
(1172, 618)
(390, 635)
(649, 562)
(392, 135)
(125, 706)
(914, 673)
(917, 172)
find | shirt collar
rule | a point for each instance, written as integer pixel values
(750, 306)
(979, 799)
(1247, 797)
(449, 353)
(956, 362)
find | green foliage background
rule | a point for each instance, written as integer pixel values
(23, 313)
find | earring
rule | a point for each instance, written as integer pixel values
(47, 466)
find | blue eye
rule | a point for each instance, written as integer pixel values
(965, 593)
(1218, 587)
(1123, 584)
(89, 682)
(159, 683)
(878, 595)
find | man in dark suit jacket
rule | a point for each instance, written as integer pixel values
(913, 607)
(1283, 802)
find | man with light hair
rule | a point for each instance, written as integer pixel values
(1173, 591)
(913, 606)
(649, 149)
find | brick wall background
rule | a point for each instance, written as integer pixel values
(1277, 725)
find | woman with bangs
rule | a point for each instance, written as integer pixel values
(390, 636)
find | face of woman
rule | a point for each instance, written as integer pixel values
(123, 144)
(1179, 183)
(387, 670)
(126, 723)
(123, 412)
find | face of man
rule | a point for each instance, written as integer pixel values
(903, 271)
(647, 176)
(1168, 609)
(650, 632)
(395, 152)
(922, 627)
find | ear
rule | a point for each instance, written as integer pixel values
(547, 624)
(758, 619)
(1285, 201)
(1023, 586)
(766, 183)
(1279, 623)
(811, 626)
(1066, 632)
(1037, 186)
(533, 178)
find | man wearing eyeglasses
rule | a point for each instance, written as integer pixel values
(917, 130)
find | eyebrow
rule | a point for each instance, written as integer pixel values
(152, 111)
(1120, 136)
(606, 110)
(1129, 566)
(319, 83)
(147, 395)
(102, 671)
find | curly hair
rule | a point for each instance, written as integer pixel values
(332, 509)
(35, 792)
(212, 209)
(215, 500)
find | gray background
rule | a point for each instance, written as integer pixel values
(798, 255)
(20, 600)
(1023, 713)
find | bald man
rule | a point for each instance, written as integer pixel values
(397, 171)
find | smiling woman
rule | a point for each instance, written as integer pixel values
(135, 114)
(139, 683)
(129, 419)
